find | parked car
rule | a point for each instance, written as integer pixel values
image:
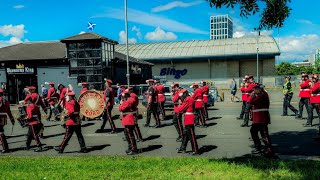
(169, 103)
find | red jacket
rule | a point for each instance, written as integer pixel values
(260, 109)
(33, 114)
(52, 94)
(39, 102)
(244, 94)
(248, 91)
(175, 100)
(127, 109)
(109, 93)
(4, 111)
(73, 109)
(187, 108)
(205, 90)
(136, 100)
(315, 93)
(63, 94)
(197, 96)
(83, 90)
(305, 91)
(161, 90)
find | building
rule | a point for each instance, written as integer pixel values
(87, 57)
(221, 27)
(303, 64)
(193, 61)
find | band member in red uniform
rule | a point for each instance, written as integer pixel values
(34, 119)
(135, 99)
(205, 90)
(128, 115)
(259, 99)
(109, 98)
(177, 117)
(248, 90)
(152, 105)
(84, 87)
(305, 94)
(73, 124)
(198, 98)
(52, 98)
(243, 87)
(62, 98)
(161, 98)
(189, 134)
(4, 113)
(314, 99)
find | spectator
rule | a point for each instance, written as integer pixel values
(233, 88)
(119, 92)
(44, 91)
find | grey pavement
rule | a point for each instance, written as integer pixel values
(224, 138)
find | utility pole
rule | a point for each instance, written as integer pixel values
(127, 48)
(258, 56)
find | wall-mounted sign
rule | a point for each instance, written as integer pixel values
(171, 71)
(20, 69)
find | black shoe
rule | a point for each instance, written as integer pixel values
(127, 151)
(179, 139)
(307, 125)
(41, 135)
(27, 148)
(296, 113)
(113, 132)
(57, 148)
(284, 114)
(256, 151)
(198, 125)
(204, 126)
(157, 126)
(298, 117)
(146, 125)
(39, 149)
(245, 125)
(194, 153)
(179, 150)
(239, 118)
(139, 140)
(5, 151)
(132, 153)
(83, 150)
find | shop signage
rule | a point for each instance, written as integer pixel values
(20, 69)
(171, 71)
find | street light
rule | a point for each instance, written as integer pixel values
(127, 49)
(258, 57)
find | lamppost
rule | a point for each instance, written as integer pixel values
(258, 56)
(127, 49)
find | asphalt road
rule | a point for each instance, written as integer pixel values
(224, 138)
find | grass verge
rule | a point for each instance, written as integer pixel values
(107, 167)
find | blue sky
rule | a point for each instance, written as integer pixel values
(150, 21)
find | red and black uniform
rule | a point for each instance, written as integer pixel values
(4, 113)
(244, 101)
(34, 119)
(314, 102)
(128, 115)
(189, 134)
(261, 119)
(305, 94)
(205, 90)
(198, 98)
(73, 124)
(109, 98)
(248, 108)
(177, 117)
(62, 98)
(152, 106)
(52, 98)
(161, 99)
(135, 99)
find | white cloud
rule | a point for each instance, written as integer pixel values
(160, 35)
(240, 31)
(11, 30)
(18, 6)
(175, 4)
(122, 38)
(138, 32)
(152, 20)
(82, 32)
(304, 21)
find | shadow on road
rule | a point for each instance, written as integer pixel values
(211, 124)
(87, 124)
(200, 136)
(53, 125)
(53, 135)
(97, 148)
(15, 136)
(22, 148)
(207, 148)
(119, 130)
(213, 109)
(150, 148)
(152, 137)
(17, 142)
(213, 118)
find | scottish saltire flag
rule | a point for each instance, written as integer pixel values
(91, 26)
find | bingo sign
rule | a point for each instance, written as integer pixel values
(91, 103)
(174, 72)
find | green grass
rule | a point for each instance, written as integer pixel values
(106, 167)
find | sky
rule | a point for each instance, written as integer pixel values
(151, 21)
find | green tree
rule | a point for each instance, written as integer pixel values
(274, 13)
(286, 68)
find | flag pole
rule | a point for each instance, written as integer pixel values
(127, 50)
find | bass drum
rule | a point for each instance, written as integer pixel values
(92, 103)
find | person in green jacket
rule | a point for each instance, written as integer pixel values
(287, 96)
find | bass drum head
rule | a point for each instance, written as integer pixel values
(91, 103)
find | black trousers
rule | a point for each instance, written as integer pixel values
(286, 104)
(153, 108)
(177, 122)
(137, 132)
(33, 133)
(3, 139)
(205, 110)
(128, 132)
(304, 102)
(189, 135)
(199, 116)
(161, 109)
(244, 104)
(69, 132)
(264, 132)
(247, 113)
(108, 117)
(53, 110)
(313, 106)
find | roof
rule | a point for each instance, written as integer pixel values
(123, 57)
(33, 51)
(88, 36)
(234, 47)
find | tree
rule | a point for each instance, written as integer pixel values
(286, 68)
(274, 13)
